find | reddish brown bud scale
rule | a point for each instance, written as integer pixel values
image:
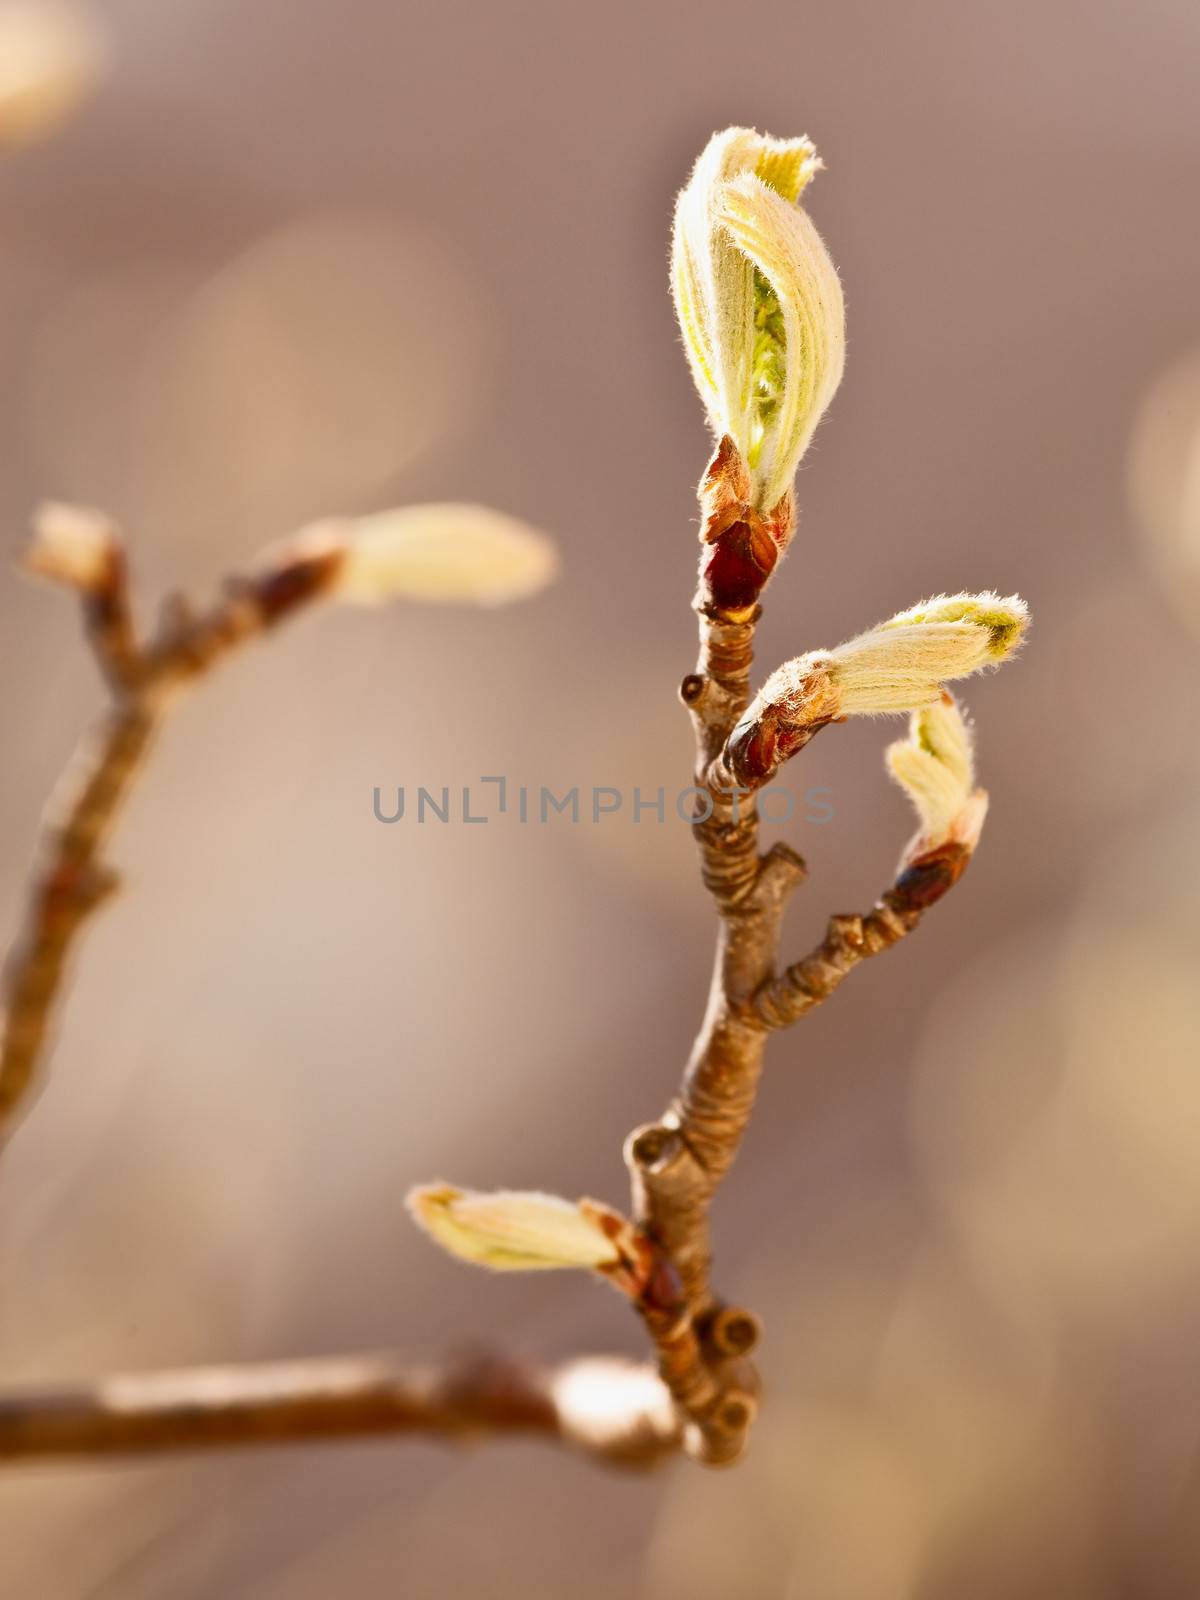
(662, 1291)
(736, 566)
(279, 590)
(724, 491)
(745, 545)
(925, 880)
(752, 751)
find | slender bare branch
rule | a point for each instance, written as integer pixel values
(678, 1162)
(70, 879)
(70, 884)
(615, 1411)
(850, 940)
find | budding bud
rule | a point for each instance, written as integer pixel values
(935, 766)
(1005, 619)
(518, 1232)
(463, 553)
(442, 553)
(898, 666)
(73, 545)
(901, 665)
(759, 302)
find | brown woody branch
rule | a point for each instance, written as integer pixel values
(612, 1410)
(71, 880)
(678, 1163)
(850, 940)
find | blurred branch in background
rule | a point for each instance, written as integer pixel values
(439, 552)
(614, 1410)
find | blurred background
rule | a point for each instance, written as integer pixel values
(267, 261)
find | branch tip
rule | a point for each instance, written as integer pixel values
(781, 870)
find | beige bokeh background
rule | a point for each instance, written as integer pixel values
(295, 257)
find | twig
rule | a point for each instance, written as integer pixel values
(71, 880)
(760, 307)
(850, 940)
(678, 1163)
(613, 1410)
(69, 887)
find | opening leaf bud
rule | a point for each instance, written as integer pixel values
(901, 665)
(898, 666)
(935, 766)
(513, 1231)
(448, 553)
(759, 302)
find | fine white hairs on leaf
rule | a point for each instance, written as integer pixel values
(898, 666)
(902, 664)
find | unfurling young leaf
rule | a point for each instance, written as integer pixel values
(901, 665)
(935, 766)
(759, 302)
(898, 666)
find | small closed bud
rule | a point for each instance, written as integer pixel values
(447, 553)
(73, 545)
(518, 1232)
(935, 766)
(759, 304)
